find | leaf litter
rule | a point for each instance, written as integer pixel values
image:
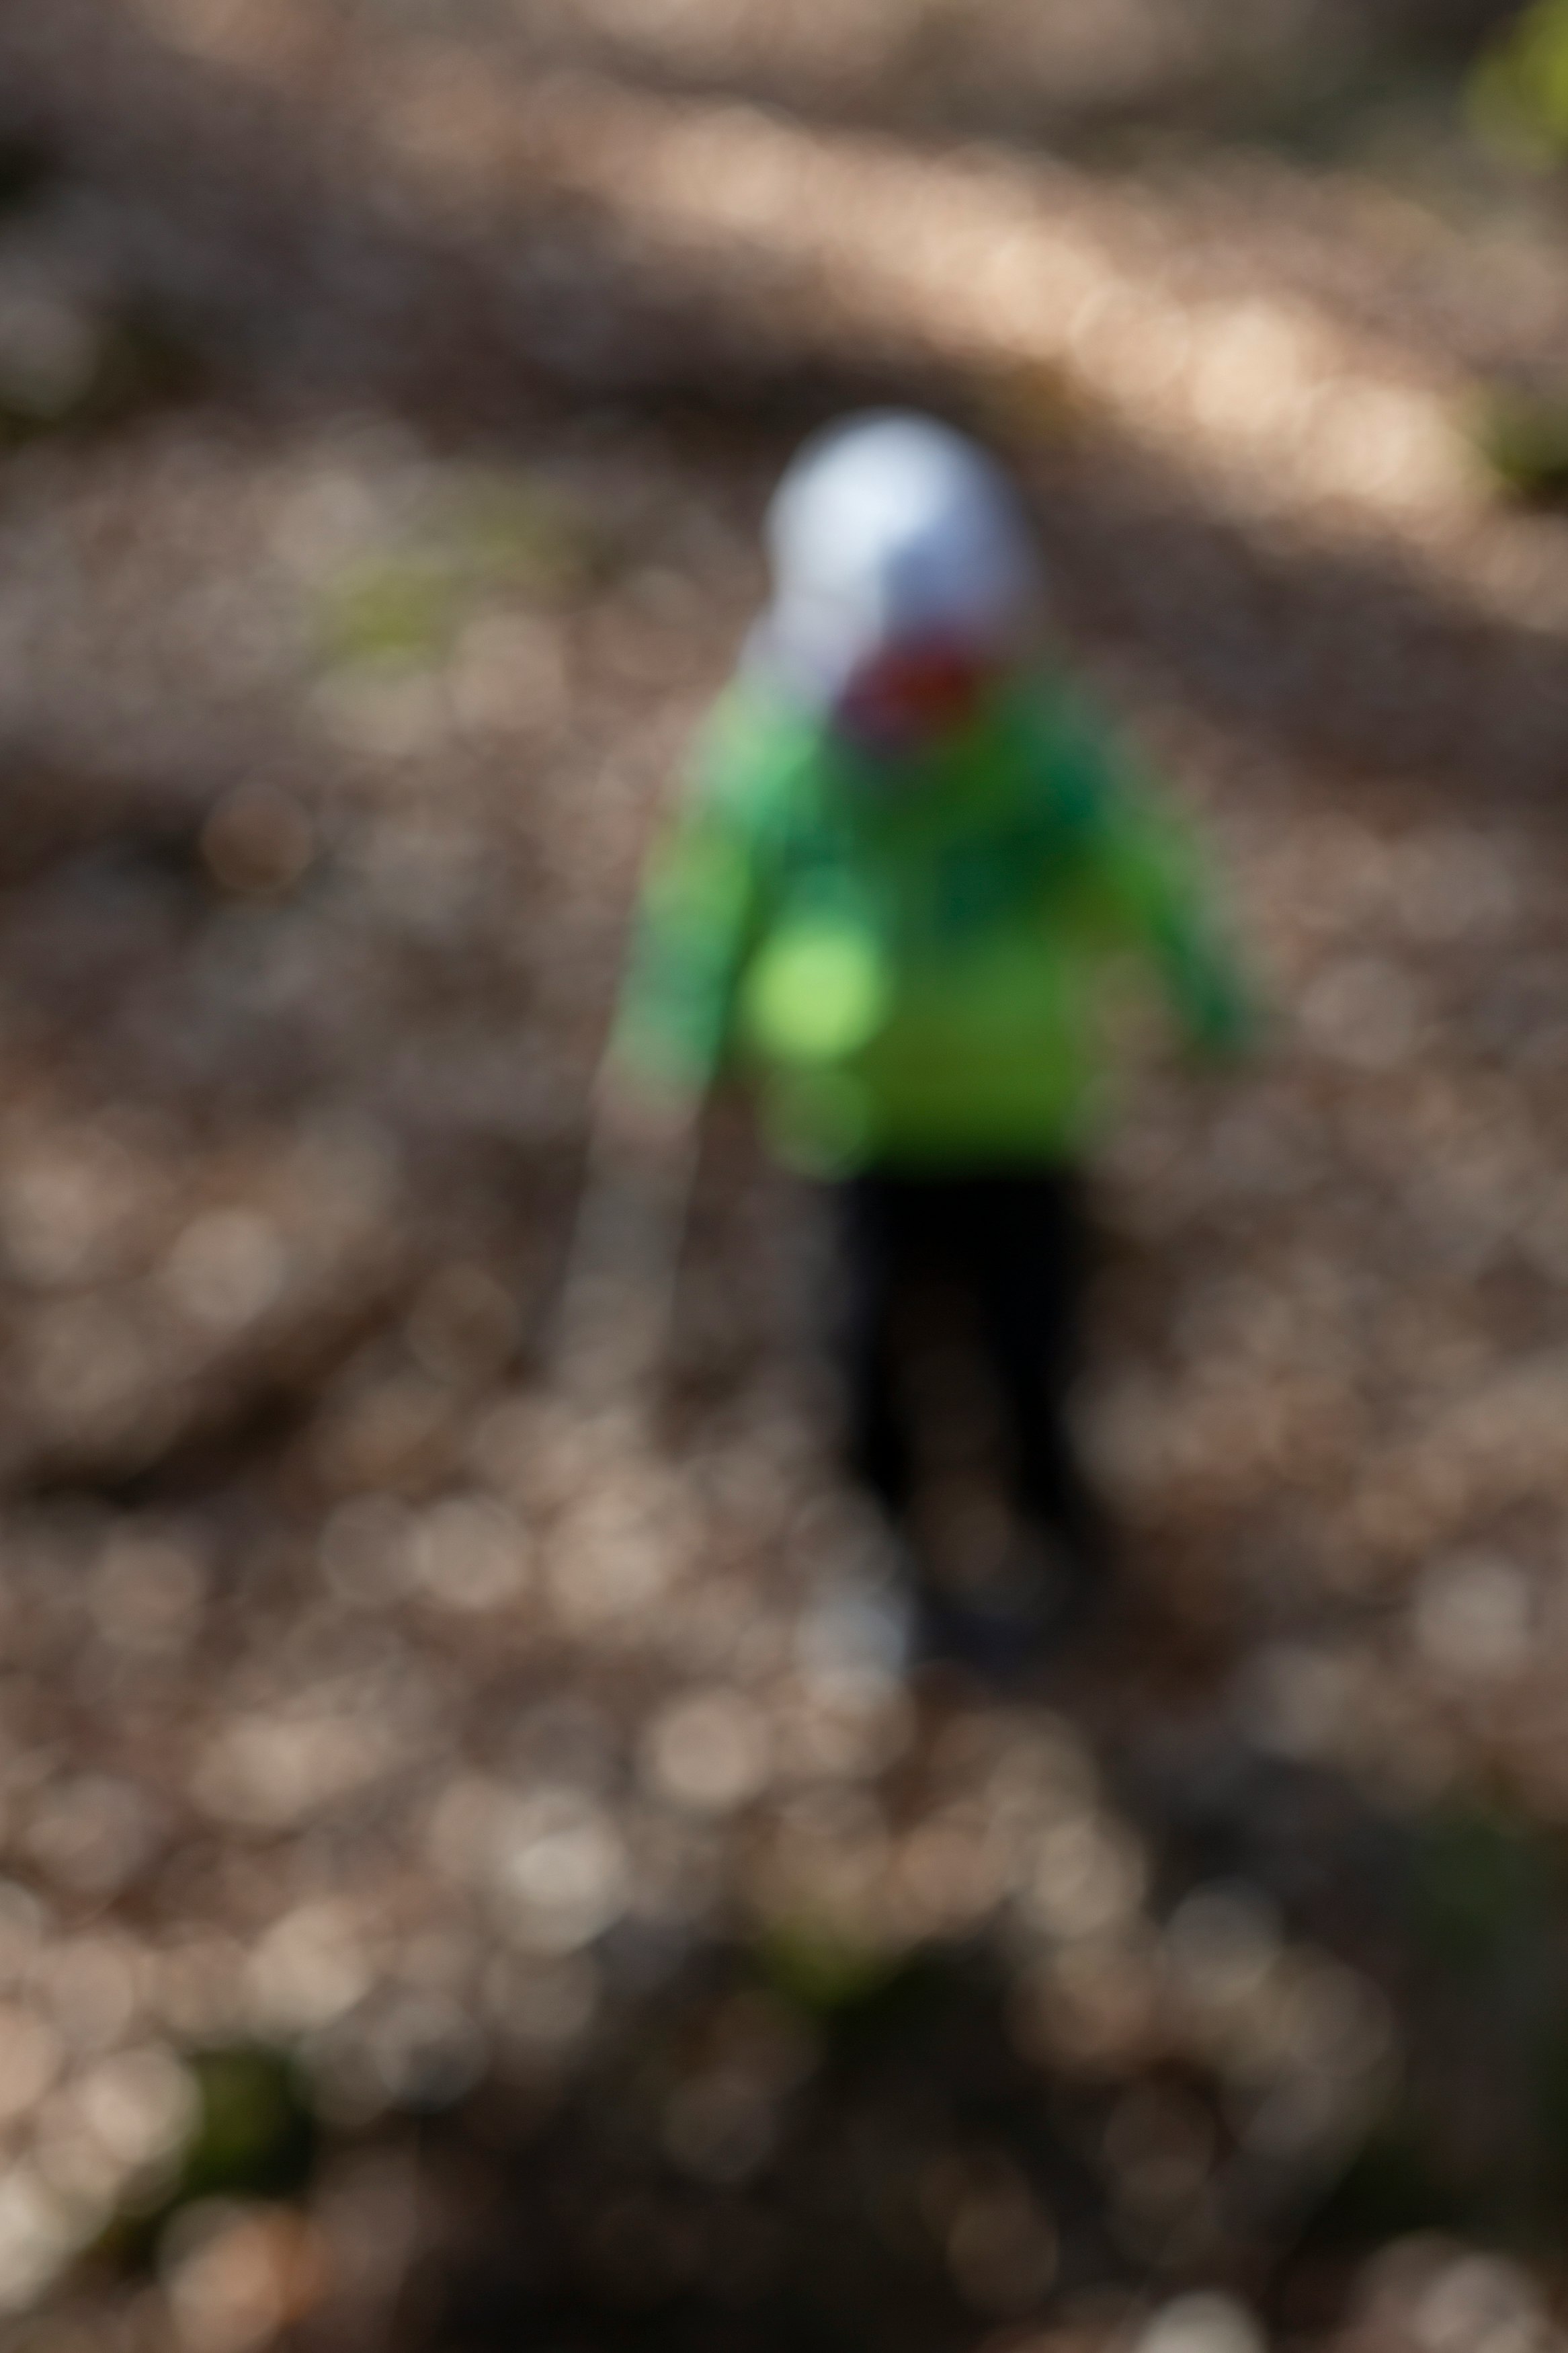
(470, 1862)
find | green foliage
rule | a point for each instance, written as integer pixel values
(1484, 1888)
(1524, 441)
(1519, 92)
(404, 607)
(1551, 2116)
(506, 529)
(823, 1969)
(400, 610)
(255, 2136)
(1390, 2190)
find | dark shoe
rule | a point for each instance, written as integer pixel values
(1008, 1631)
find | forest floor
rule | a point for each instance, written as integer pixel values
(474, 1874)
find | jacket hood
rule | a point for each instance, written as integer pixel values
(889, 530)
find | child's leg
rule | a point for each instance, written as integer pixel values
(1030, 1254)
(873, 1248)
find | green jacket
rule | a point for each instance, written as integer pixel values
(912, 958)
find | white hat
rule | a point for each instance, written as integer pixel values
(887, 528)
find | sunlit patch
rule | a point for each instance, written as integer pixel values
(708, 1752)
(139, 2105)
(39, 2235)
(311, 1967)
(1435, 2293)
(226, 1267)
(1088, 1876)
(1202, 2322)
(1475, 1617)
(270, 1770)
(74, 1205)
(557, 1869)
(616, 1553)
(31, 2056)
(267, 37)
(237, 2274)
(468, 1554)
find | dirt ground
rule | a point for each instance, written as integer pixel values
(473, 1872)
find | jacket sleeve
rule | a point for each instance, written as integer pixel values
(693, 923)
(1148, 890)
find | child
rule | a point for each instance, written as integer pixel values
(893, 895)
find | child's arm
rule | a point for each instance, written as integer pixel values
(1145, 883)
(693, 917)
(1158, 882)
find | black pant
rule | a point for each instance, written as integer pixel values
(1017, 1245)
